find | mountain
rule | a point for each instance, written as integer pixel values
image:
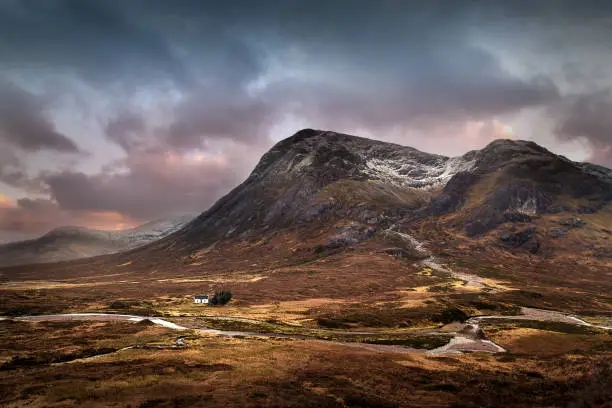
(317, 178)
(342, 231)
(333, 237)
(67, 243)
(329, 215)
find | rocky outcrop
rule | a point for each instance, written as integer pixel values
(557, 232)
(407, 246)
(525, 238)
(350, 234)
(516, 216)
(572, 222)
(514, 238)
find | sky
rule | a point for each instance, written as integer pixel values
(113, 112)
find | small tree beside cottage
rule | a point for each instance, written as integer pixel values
(220, 298)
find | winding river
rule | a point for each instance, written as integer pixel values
(466, 338)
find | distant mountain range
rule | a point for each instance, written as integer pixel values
(66, 243)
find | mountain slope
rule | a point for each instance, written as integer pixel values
(318, 178)
(66, 243)
(518, 180)
(287, 187)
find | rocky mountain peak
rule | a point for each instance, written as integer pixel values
(333, 156)
(516, 145)
(501, 152)
(321, 175)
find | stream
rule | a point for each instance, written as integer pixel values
(467, 337)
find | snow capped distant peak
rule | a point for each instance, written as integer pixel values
(153, 230)
(67, 243)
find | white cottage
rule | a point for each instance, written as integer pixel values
(200, 299)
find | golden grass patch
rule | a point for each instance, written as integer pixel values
(546, 343)
(40, 284)
(215, 279)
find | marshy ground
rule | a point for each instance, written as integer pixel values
(543, 367)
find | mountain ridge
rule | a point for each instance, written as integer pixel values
(301, 179)
(74, 242)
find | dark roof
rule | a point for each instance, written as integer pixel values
(201, 297)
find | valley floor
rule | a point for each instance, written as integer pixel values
(324, 330)
(55, 368)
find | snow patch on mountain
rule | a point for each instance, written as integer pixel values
(601, 172)
(528, 206)
(302, 163)
(151, 231)
(409, 173)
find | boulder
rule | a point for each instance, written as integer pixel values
(557, 232)
(350, 234)
(515, 239)
(515, 216)
(572, 222)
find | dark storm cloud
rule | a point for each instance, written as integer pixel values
(127, 130)
(11, 167)
(420, 50)
(96, 39)
(389, 64)
(204, 116)
(414, 106)
(24, 122)
(18, 178)
(153, 184)
(29, 216)
(588, 116)
(386, 61)
(547, 10)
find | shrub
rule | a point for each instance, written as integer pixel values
(221, 298)
(450, 315)
(331, 323)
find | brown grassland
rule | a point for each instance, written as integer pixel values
(287, 286)
(575, 371)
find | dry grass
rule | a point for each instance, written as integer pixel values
(26, 343)
(42, 284)
(544, 343)
(347, 193)
(215, 372)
